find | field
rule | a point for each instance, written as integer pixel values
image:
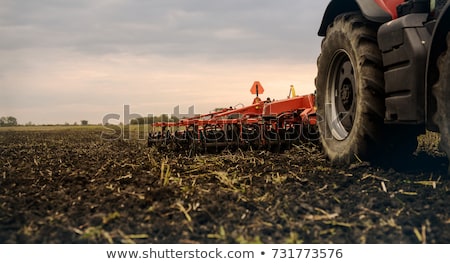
(69, 185)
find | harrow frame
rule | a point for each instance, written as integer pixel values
(272, 125)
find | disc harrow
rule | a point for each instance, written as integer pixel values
(271, 125)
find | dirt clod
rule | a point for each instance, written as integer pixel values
(70, 186)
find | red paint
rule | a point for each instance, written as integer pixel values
(257, 88)
(254, 123)
(390, 6)
(302, 105)
(289, 105)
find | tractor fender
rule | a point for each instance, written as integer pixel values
(373, 10)
(437, 46)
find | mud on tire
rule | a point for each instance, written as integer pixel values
(441, 92)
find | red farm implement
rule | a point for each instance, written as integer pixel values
(273, 125)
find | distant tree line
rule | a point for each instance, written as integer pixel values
(7, 121)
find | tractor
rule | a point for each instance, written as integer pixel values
(383, 78)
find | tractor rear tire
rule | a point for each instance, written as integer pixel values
(441, 92)
(350, 90)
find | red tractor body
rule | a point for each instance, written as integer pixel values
(390, 6)
(383, 77)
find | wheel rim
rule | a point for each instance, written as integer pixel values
(341, 96)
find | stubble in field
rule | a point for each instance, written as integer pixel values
(70, 186)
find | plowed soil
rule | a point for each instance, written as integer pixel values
(70, 186)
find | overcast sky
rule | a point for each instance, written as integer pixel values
(64, 61)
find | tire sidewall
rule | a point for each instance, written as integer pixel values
(441, 92)
(355, 145)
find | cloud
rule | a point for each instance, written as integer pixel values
(65, 86)
(90, 57)
(171, 28)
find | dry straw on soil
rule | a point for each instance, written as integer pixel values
(69, 186)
